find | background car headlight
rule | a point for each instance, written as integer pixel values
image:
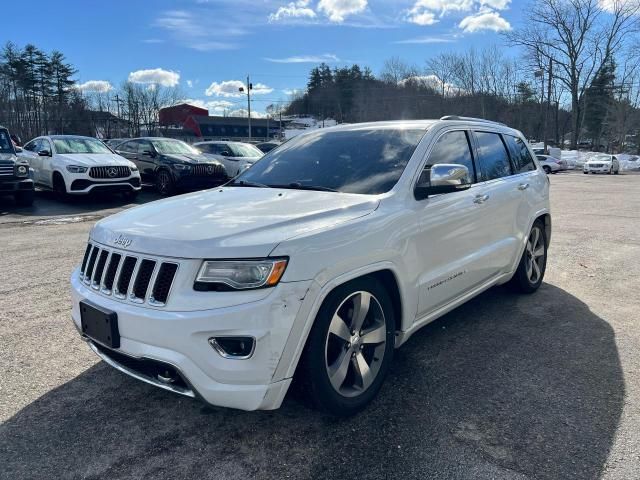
(21, 171)
(133, 167)
(76, 169)
(181, 166)
(224, 275)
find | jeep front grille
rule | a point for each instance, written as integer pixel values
(110, 172)
(128, 277)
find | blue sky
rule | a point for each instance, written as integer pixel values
(207, 46)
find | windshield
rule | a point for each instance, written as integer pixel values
(175, 147)
(244, 150)
(601, 158)
(368, 161)
(72, 145)
(5, 142)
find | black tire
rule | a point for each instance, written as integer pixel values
(25, 198)
(522, 280)
(164, 183)
(611, 171)
(586, 173)
(546, 169)
(315, 362)
(59, 187)
(617, 172)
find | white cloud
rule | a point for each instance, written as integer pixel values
(427, 12)
(338, 10)
(299, 9)
(189, 83)
(241, 112)
(293, 91)
(423, 40)
(423, 18)
(326, 58)
(95, 86)
(197, 32)
(496, 4)
(484, 20)
(156, 76)
(231, 88)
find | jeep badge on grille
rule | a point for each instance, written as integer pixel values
(123, 241)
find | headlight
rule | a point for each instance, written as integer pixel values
(76, 169)
(182, 166)
(21, 171)
(133, 167)
(224, 275)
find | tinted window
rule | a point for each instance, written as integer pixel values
(6, 146)
(144, 146)
(493, 158)
(452, 147)
(520, 155)
(213, 148)
(73, 145)
(129, 147)
(31, 146)
(368, 161)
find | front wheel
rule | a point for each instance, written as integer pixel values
(546, 169)
(350, 347)
(164, 183)
(530, 272)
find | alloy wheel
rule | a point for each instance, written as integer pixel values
(355, 344)
(164, 182)
(535, 255)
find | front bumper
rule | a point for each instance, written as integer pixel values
(83, 186)
(604, 169)
(180, 339)
(16, 185)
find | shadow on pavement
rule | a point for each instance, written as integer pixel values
(506, 386)
(46, 204)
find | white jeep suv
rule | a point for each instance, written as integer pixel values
(75, 165)
(317, 262)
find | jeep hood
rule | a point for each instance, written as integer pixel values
(229, 222)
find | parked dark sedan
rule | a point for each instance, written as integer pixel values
(172, 165)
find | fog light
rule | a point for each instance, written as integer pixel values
(239, 348)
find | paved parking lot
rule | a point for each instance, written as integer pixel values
(505, 387)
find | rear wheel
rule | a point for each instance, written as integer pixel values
(530, 272)
(164, 183)
(25, 198)
(546, 169)
(350, 347)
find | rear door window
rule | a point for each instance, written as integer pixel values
(522, 160)
(493, 158)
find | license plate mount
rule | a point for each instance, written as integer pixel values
(100, 324)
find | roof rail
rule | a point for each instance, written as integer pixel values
(470, 119)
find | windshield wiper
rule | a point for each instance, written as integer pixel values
(244, 183)
(299, 186)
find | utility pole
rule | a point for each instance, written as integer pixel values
(540, 74)
(117, 99)
(546, 113)
(249, 88)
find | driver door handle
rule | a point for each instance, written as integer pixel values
(481, 198)
(523, 186)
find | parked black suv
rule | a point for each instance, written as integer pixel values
(172, 165)
(14, 172)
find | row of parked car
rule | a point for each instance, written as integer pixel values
(77, 165)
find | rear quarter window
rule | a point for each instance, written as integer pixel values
(522, 160)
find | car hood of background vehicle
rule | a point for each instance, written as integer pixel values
(229, 222)
(189, 158)
(93, 159)
(8, 157)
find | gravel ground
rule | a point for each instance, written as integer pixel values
(504, 387)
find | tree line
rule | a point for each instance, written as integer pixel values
(576, 77)
(39, 95)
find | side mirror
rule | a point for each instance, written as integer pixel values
(44, 153)
(226, 153)
(442, 178)
(149, 153)
(18, 149)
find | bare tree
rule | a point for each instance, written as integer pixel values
(579, 38)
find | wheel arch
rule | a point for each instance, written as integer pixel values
(385, 273)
